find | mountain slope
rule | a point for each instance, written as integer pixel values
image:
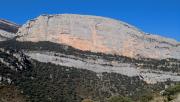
(48, 82)
(68, 58)
(149, 70)
(98, 34)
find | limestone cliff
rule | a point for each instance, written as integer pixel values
(98, 34)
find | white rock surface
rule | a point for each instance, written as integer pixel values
(98, 34)
(100, 65)
(4, 35)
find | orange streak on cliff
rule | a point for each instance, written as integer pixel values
(83, 44)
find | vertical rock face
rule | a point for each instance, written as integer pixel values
(7, 30)
(98, 34)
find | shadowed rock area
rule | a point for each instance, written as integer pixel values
(8, 30)
(8, 26)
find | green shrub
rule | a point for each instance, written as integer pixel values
(171, 91)
(119, 99)
(87, 100)
(146, 98)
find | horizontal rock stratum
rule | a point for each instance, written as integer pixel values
(98, 34)
(8, 30)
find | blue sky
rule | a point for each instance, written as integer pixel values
(153, 16)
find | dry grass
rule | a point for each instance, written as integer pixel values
(10, 94)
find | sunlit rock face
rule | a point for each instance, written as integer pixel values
(98, 34)
(8, 30)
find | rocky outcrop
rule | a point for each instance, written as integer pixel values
(98, 34)
(8, 26)
(8, 30)
(12, 64)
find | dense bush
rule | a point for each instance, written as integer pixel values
(119, 99)
(146, 97)
(55, 83)
(9, 93)
(87, 100)
(171, 91)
